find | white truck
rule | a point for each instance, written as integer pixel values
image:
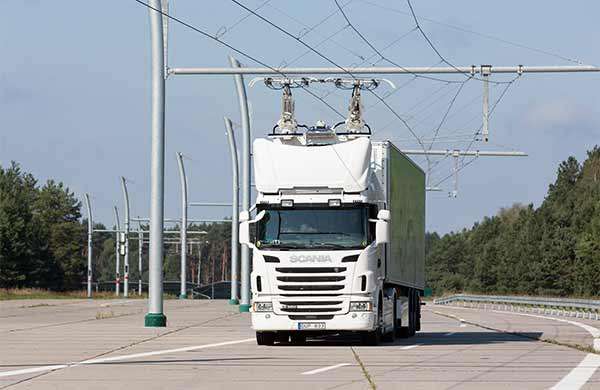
(338, 237)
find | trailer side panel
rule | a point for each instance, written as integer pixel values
(406, 201)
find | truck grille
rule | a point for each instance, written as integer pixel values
(301, 287)
(308, 279)
(310, 306)
(310, 270)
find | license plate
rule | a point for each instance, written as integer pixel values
(311, 325)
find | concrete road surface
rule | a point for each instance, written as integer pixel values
(79, 344)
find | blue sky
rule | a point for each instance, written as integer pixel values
(74, 92)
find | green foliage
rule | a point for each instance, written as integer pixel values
(551, 250)
(40, 233)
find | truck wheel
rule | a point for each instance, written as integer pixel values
(371, 338)
(265, 338)
(412, 326)
(282, 337)
(298, 338)
(418, 315)
(409, 330)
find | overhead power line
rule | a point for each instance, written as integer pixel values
(480, 34)
(323, 56)
(231, 47)
(379, 53)
(435, 49)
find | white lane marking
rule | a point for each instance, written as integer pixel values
(33, 370)
(323, 369)
(580, 374)
(410, 346)
(449, 333)
(119, 358)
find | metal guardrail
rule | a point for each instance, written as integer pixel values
(566, 307)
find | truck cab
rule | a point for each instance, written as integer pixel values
(320, 248)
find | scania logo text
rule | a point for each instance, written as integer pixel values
(310, 259)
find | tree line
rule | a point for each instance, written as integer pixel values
(43, 241)
(553, 249)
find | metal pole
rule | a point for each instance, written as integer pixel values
(117, 254)
(126, 256)
(183, 235)
(472, 69)
(140, 254)
(89, 259)
(235, 243)
(155, 316)
(246, 174)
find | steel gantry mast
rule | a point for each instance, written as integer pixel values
(183, 227)
(117, 253)
(155, 316)
(126, 231)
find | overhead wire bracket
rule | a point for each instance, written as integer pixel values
(486, 71)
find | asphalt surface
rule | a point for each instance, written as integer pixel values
(80, 344)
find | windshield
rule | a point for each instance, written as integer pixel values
(313, 228)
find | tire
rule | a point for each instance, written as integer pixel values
(412, 309)
(409, 331)
(282, 337)
(298, 338)
(418, 322)
(371, 338)
(265, 338)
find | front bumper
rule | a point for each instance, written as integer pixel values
(353, 321)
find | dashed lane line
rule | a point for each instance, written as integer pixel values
(410, 346)
(121, 358)
(323, 369)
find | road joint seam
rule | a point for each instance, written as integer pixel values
(364, 369)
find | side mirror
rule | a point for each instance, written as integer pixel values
(244, 216)
(382, 231)
(245, 221)
(244, 232)
(384, 215)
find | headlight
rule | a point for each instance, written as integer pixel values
(263, 306)
(361, 306)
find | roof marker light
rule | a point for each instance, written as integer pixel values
(335, 202)
(287, 203)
